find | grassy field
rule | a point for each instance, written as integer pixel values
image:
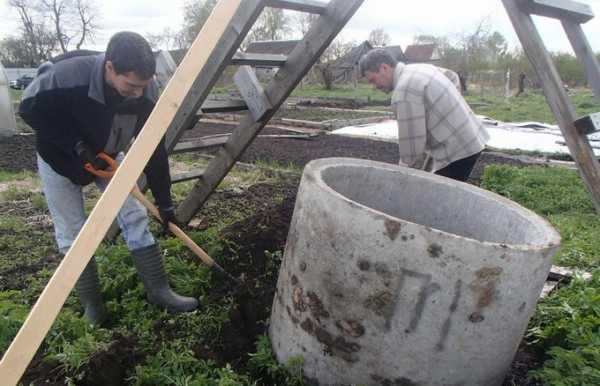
(531, 106)
(565, 331)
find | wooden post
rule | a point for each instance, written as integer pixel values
(557, 98)
(47, 307)
(585, 54)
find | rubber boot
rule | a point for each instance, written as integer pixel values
(149, 265)
(88, 289)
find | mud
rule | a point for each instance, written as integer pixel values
(300, 151)
(17, 153)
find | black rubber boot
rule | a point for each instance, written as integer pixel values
(149, 265)
(88, 289)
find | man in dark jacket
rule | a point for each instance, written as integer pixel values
(81, 105)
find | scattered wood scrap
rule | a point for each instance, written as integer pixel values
(559, 276)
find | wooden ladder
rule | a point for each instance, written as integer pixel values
(259, 103)
(571, 14)
(215, 47)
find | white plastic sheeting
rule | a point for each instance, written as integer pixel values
(8, 124)
(528, 136)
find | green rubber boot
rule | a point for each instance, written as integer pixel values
(149, 265)
(88, 289)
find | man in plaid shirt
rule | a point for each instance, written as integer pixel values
(437, 130)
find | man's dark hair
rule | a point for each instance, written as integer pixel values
(372, 60)
(130, 52)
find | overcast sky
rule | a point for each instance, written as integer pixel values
(401, 19)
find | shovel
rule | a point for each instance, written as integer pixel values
(206, 259)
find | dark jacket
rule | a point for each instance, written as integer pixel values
(69, 101)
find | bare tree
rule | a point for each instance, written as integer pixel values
(35, 33)
(168, 39)
(195, 14)
(50, 24)
(88, 14)
(303, 21)
(272, 24)
(71, 19)
(326, 65)
(58, 11)
(379, 38)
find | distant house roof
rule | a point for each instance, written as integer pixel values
(178, 55)
(396, 52)
(421, 53)
(353, 56)
(281, 47)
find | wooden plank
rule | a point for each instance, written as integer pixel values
(263, 60)
(252, 92)
(558, 9)
(182, 177)
(585, 54)
(309, 6)
(557, 98)
(299, 62)
(217, 106)
(202, 143)
(218, 140)
(47, 307)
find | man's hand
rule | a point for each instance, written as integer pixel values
(87, 156)
(167, 215)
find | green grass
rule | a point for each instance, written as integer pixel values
(566, 327)
(530, 107)
(363, 92)
(6, 176)
(15, 95)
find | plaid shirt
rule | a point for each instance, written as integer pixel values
(435, 125)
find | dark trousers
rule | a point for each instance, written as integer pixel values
(459, 170)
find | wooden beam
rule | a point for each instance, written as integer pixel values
(217, 106)
(202, 143)
(557, 98)
(299, 62)
(263, 60)
(558, 9)
(309, 6)
(47, 307)
(585, 54)
(252, 92)
(182, 177)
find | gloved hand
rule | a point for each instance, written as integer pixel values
(167, 215)
(86, 155)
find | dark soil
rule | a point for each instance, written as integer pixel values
(300, 151)
(105, 368)
(17, 153)
(251, 240)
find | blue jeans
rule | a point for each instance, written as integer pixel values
(65, 202)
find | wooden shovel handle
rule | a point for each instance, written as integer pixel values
(206, 259)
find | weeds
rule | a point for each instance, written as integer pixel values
(268, 371)
(566, 326)
(560, 195)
